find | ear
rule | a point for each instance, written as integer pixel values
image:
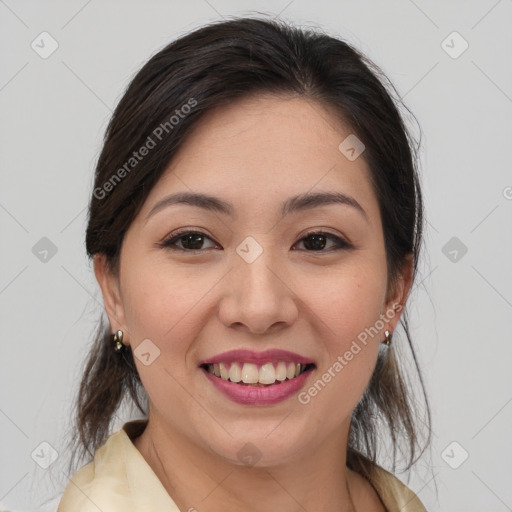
(400, 291)
(109, 284)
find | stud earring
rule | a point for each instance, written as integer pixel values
(117, 338)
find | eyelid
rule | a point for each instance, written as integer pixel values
(322, 231)
(165, 243)
(340, 241)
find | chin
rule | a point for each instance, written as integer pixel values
(258, 448)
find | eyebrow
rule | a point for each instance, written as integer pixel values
(292, 205)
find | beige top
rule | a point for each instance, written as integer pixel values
(120, 479)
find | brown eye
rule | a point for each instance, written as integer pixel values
(190, 241)
(317, 241)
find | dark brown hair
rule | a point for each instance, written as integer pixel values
(216, 65)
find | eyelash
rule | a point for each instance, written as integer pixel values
(169, 243)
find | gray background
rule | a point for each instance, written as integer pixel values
(53, 115)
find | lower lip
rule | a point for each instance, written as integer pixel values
(258, 395)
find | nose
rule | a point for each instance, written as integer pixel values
(258, 297)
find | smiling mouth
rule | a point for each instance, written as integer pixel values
(264, 375)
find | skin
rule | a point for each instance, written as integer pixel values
(255, 153)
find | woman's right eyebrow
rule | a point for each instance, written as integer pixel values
(293, 204)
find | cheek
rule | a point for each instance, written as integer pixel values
(166, 303)
(164, 309)
(347, 301)
(347, 305)
(155, 303)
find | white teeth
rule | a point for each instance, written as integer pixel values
(281, 371)
(267, 374)
(248, 373)
(224, 374)
(235, 372)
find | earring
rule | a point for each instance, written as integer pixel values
(117, 338)
(388, 335)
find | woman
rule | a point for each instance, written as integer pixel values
(255, 229)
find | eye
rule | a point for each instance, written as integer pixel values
(317, 240)
(191, 241)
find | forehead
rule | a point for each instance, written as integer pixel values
(261, 150)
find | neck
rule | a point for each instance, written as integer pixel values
(315, 481)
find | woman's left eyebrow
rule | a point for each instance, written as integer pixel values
(293, 204)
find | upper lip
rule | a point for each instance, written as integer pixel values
(250, 356)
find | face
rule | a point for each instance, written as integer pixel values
(310, 280)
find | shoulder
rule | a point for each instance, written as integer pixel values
(394, 494)
(99, 483)
(118, 479)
